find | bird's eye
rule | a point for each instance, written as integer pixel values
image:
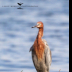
(39, 24)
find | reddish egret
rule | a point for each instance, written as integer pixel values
(41, 53)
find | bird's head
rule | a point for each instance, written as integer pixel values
(39, 25)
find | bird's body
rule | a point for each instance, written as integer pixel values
(41, 54)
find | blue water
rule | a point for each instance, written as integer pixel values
(17, 36)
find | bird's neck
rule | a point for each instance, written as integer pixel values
(39, 45)
(40, 33)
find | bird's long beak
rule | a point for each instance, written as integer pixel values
(34, 26)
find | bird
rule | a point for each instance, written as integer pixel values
(41, 53)
(20, 4)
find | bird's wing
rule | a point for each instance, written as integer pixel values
(48, 58)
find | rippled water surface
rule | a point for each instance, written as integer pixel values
(17, 36)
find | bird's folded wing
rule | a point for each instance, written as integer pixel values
(48, 58)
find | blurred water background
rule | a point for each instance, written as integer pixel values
(17, 36)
